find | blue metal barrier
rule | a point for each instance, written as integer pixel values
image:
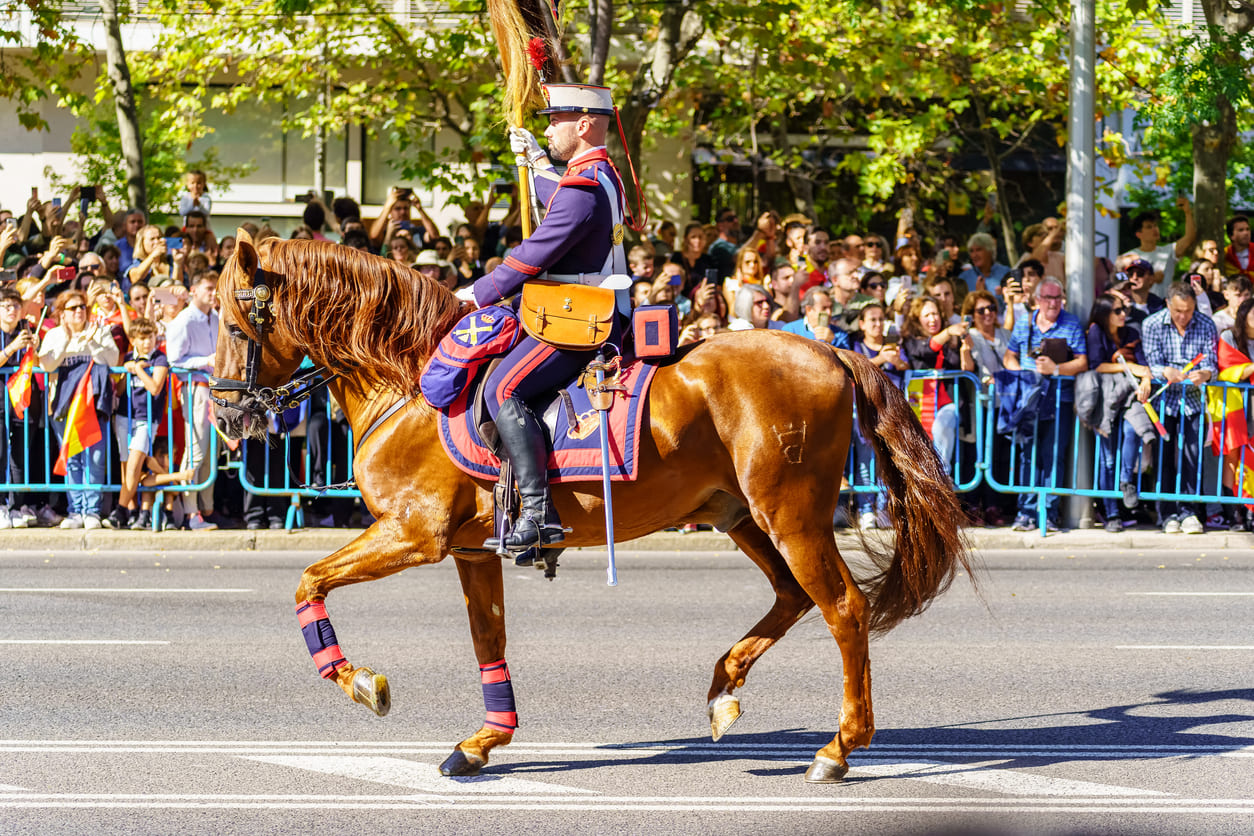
(34, 436)
(289, 468)
(1059, 477)
(969, 403)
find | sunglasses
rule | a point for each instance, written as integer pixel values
(985, 310)
(876, 286)
(69, 308)
(875, 244)
(1118, 310)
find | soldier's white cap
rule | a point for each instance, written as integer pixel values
(578, 98)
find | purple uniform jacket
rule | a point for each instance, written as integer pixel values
(575, 236)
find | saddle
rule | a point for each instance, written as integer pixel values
(454, 377)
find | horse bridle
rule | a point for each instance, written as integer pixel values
(277, 399)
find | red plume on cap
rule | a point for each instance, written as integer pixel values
(538, 56)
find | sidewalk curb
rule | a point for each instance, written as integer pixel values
(328, 540)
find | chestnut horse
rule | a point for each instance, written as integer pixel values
(747, 432)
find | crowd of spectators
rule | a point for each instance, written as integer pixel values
(88, 289)
(1161, 312)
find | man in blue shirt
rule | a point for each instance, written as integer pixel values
(1181, 348)
(1051, 342)
(816, 312)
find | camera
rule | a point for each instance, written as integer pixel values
(174, 243)
(87, 193)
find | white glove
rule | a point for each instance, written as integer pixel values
(466, 294)
(522, 143)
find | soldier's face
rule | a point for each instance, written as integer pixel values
(563, 135)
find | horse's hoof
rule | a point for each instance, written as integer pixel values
(825, 771)
(723, 710)
(371, 690)
(460, 765)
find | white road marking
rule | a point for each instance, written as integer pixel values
(799, 753)
(1198, 594)
(416, 776)
(78, 642)
(983, 776)
(1184, 647)
(120, 589)
(11, 788)
(1151, 806)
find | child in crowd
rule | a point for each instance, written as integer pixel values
(196, 198)
(143, 404)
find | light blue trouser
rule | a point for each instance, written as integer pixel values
(1124, 440)
(86, 468)
(945, 434)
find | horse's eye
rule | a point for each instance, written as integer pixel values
(235, 330)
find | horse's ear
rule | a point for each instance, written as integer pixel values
(245, 253)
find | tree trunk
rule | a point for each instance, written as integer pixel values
(1213, 143)
(124, 104)
(601, 18)
(1212, 147)
(678, 33)
(988, 141)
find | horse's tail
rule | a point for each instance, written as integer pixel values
(930, 547)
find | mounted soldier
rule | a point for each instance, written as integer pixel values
(579, 240)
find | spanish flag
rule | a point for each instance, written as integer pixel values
(1225, 406)
(1229, 430)
(20, 383)
(82, 429)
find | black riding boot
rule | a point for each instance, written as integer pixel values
(523, 442)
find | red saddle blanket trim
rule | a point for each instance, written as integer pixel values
(576, 456)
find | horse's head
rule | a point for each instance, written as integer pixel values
(253, 358)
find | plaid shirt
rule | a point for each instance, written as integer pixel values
(1167, 347)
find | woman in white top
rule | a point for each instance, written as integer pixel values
(73, 350)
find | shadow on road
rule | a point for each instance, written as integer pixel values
(1169, 724)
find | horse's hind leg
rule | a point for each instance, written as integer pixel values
(382, 549)
(484, 589)
(818, 567)
(791, 603)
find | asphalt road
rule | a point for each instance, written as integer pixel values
(154, 692)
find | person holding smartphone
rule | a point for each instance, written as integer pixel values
(1050, 324)
(872, 343)
(155, 263)
(395, 217)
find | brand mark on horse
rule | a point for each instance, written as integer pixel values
(791, 441)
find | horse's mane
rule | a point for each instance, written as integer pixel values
(353, 312)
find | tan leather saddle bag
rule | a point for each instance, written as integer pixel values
(564, 315)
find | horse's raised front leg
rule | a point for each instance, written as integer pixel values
(791, 603)
(484, 588)
(383, 549)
